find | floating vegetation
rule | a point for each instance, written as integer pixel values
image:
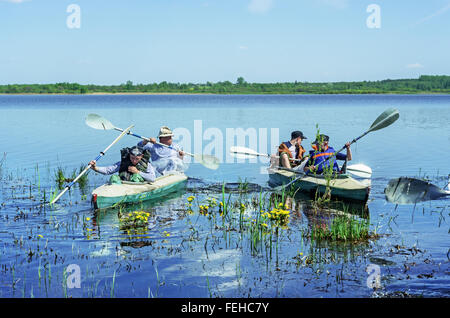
(342, 228)
(134, 223)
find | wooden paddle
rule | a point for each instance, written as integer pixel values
(97, 122)
(387, 118)
(102, 153)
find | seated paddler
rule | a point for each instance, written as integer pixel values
(165, 155)
(134, 166)
(323, 157)
(292, 152)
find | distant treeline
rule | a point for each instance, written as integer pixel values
(424, 84)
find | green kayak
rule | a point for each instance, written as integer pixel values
(343, 186)
(109, 195)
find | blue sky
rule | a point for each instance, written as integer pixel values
(148, 41)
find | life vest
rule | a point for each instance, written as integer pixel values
(284, 148)
(319, 158)
(125, 162)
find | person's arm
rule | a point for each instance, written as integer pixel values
(348, 156)
(105, 170)
(309, 166)
(148, 175)
(179, 150)
(285, 160)
(349, 151)
(145, 144)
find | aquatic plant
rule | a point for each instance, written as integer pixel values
(342, 228)
(60, 179)
(83, 180)
(133, 220)
(1, 164)
(278, 217)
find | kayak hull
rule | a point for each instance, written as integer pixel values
(343, 187)
(109, 195)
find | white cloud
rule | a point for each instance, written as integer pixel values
(260, 6)
(414, 65)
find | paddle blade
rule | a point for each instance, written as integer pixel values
(387, 118)
(360, 170)
(98, 122)
(236, 150)
(208, 161)
(406, 190)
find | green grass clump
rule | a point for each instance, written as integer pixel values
(342, 228)
(60, 179)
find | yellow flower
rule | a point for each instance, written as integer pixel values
(40, 236)
(88, 219)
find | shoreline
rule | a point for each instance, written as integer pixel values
(221, 94)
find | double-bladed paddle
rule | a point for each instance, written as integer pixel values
(359, 170)
(102, 153)
(97, 122)
(387, 118)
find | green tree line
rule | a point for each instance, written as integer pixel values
(423, 84)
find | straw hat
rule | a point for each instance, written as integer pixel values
(165, 131)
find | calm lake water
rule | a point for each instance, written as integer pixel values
(181, 254)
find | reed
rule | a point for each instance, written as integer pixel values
(60, 179)
(1, 165)
(83, 180)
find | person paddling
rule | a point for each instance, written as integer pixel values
(134, 166)
(318, 157)
(292, 149)
(165, 159)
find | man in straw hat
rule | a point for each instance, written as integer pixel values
(167, 158)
